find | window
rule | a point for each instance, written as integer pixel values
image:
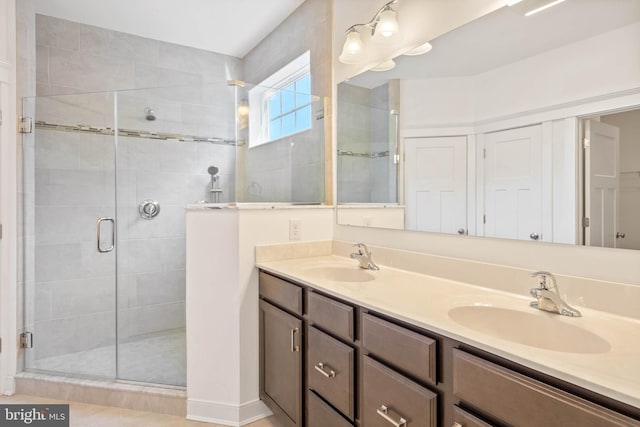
(289, 109)
(281, 105)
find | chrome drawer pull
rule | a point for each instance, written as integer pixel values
(320, 368)
(457, 425)
(383, 411)
(294, 347)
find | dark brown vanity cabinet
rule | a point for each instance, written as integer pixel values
(515, 399)
(281, 354)
(329, 363)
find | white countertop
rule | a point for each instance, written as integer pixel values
(425, 301)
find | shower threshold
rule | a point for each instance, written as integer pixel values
(149, 397)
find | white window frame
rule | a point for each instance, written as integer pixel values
(259, 98)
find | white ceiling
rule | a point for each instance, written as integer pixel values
(506, 36)
(231, 27)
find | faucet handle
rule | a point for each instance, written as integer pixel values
(362, 249)
(542, 276)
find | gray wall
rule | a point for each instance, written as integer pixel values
(365, 127)
(293, 168)
(74, 58)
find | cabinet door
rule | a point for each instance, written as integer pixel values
(281, 363)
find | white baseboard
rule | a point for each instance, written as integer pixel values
(225, 414)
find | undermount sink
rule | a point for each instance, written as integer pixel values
(533, 329)
(341, 274)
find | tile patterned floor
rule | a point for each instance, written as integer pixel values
(85, 415)
(157, 359)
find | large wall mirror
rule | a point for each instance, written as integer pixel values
(512, 126)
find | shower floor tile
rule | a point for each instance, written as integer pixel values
(158, 359)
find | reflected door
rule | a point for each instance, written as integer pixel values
(436, 183)
(513, 184)
(602, 157)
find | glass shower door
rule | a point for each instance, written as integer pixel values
(69, 235)
(176, 147)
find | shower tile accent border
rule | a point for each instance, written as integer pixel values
(170, 401)
(266, 253)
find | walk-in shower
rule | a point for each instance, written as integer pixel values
(104, 197)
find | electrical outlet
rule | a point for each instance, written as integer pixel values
(295, 229)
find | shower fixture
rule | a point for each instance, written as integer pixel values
(149, 114)
(214, 190)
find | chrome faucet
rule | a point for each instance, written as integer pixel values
(364, 257)
(548, 297)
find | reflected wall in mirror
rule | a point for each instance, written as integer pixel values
(508, 128)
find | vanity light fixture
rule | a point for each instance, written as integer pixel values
(353, 49)
(419, 50)
(387, 26)
(384, 27)
(384, 66)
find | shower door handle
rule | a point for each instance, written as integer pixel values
(99, 232)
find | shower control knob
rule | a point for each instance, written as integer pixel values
(149, 209)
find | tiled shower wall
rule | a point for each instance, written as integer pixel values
(353, 134)
(365, 126)
(291, 169)
(71, 181)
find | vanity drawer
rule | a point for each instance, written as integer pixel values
(389, 397)
(400, 347)
(519, 400)
(282, 293)
(334, 316)
(319, 414)
(330, 371)
(462, 418)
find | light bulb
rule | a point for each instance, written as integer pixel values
(352, 49)
(243, 108)
(387, 25)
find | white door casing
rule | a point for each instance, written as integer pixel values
(602, 182)
(513, 184)
(436, 184)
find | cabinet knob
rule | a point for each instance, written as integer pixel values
(462, 231)
(534, 236)
(620, 235)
